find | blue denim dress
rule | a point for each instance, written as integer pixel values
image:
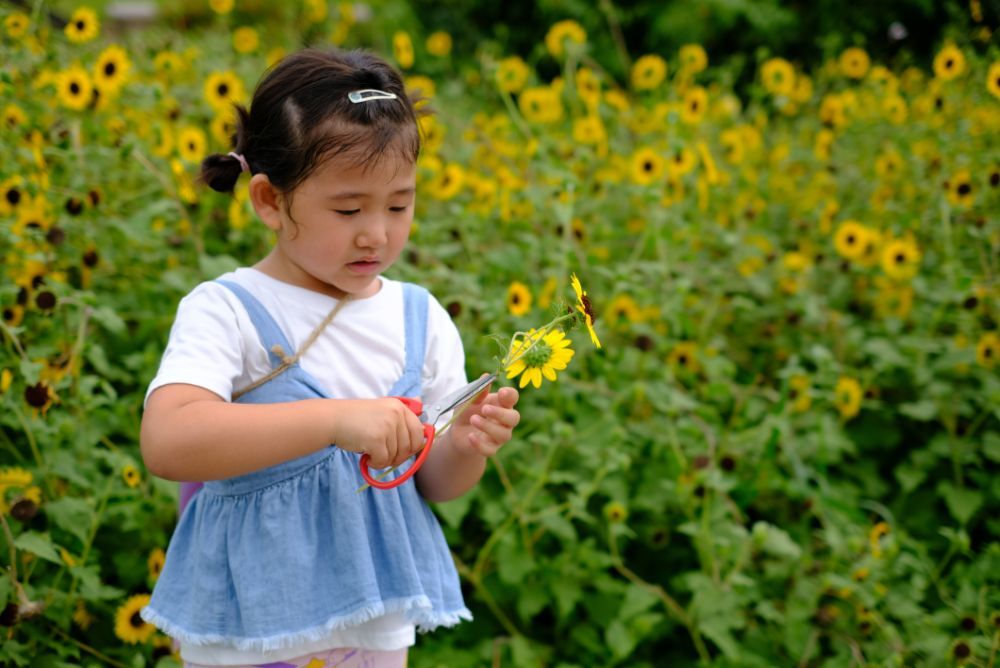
(284, 555)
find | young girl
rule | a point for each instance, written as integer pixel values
(279, 377)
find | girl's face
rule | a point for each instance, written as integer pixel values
(350, 225)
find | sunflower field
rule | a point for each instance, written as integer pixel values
(785, 451)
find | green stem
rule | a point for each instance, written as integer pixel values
(95, 525)
(30, 436)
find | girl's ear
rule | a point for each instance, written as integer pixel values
(267, 201)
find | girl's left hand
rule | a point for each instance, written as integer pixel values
(487, 423)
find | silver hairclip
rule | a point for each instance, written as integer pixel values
(367, 94)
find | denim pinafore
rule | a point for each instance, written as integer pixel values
(287, 554)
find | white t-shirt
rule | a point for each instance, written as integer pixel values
(213, 344)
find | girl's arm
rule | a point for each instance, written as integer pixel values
(458, 459)
(189, 433)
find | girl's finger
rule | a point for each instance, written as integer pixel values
(492, 430)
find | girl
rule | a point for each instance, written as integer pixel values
(278, 378)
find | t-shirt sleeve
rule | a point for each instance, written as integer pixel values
(444, 362)
(206, 344)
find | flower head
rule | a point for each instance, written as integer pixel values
(82, 26)
(129, 626)
(586, 308)
(538, 354)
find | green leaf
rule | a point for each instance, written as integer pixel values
(924, 410)
(30, 371)
(454, 511)
(637, 600)
(91, 586)
(107, 318)
(774, 541)
(962, 502)
(991, 446)
(6, 588)
(530, 601)
(567, 593)
(212, 266)
(619, 639)
(73, 514)
(39, 544)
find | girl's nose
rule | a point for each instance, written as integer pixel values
(374, 234)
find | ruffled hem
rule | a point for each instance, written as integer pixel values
(417, 610)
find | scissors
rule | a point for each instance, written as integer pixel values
(428, 416)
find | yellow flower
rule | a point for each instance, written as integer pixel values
(82, 26)
(557, 35)
(854, 63)
(81, 617)
(895, 109)
(778, 76)
(130, 475)
(245, 39)
(168, 65)
(402, 49)
(6, 378)
(684, 357)
(129, 626)
(616, 512)
(588, 87)
(648, 72)
(646, 166)
(851, 239)
(798, 392)
(75, 88)
(222, 89)
(223, 127)
(420, 85)
(12, 195)
(518, 298)
(682, 162)
(314, 10)
(901, 259)
(13, 116)
(447, 182)
(949, 63)
(694, 106)
(693, 58)
(960, 192)
(512, 74)
(111, 69)
(191, 144)
(221, 6)
(988, 349)
(875, 538)
(993, 80)
(585, 308)
(847, 397)
(439, 44)
(533, 357)
(623, 311)
(16, 24)
(155, 563)
(589, 130)
(12, 478)
(732, 146)
(541, 105)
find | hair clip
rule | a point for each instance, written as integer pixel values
(367, 94)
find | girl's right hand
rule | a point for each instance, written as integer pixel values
(385, 429)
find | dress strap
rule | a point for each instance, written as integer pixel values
(270, 334)
(415, 321)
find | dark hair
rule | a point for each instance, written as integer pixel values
(300, 116)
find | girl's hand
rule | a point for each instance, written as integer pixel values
(487, 423)
(385, 429)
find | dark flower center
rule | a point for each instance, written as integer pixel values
(964, 189)
(109, 69)
(13, 196)
(74, 88)
(136, 621)
(223, 90)
(81, 25)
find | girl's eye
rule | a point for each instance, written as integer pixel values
(347, 212)
(397, 209)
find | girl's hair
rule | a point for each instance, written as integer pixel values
(300, 116)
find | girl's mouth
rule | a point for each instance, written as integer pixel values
(364, 266)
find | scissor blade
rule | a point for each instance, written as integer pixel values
(457, 398)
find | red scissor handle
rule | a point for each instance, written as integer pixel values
(416, 407)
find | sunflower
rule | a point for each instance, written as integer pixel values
(191, 144)
(75, 88)
(693, 58)
(623, 311)
(402, 49)
(222, 89)
(562, 31)
(684, 357)
(894, 107)
(589, 130)
(438, 44)
(111, 69)
(949, 63)
(851, 239)
(988, 349)
(616, 512)
(518, 298)
(541, 105)
(588, 87)
(13, 116)
(798, 393)
(533, 357)
(155, 563)
(732, 146)
(901, 259)
(694, 105)
(682, 162)
(16, 24)
(585, 308)
(129, 626)
(83, 25)
(778, 76)
(959, 189)
(168, 65)
(854, 63)
(847, 397)
(130, 475)
(447, 182)
(222, 6)
(648, 72)
(646, 166)
(12, 195)
(512, 74)
(833, 111)
(222, 128)
(245, 39)
(6, 378)
(16, 479)
(993, 80)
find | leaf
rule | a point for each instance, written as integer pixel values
(92, 587)
(567, 594)
(107, 318)
(924, 410)
(530, 601)
(962, 502)
(619, 639)
(775, 542)
(73, 514)
(30, 371)
(991, 446)
(213, 266)
(637, 600)
(454, 511)
(39, 544)
(513, 562)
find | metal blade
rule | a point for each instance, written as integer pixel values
(433, 411)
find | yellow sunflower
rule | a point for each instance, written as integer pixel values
(623, 311)
(222, 6)
(222, 89)
(901, 259)
(586, 309)
(798, 393)
(847, 397)
(648, 72)
(949, 63)
(75, 88)
(959, 189)
(535, 357)
(155, 562)
(993, 80)
(111, 69)
(895, 109)
(694, 105)
(693, 58)
(518, 298)
(778, 76)
(12, 479)
(168, 65)
(223, 127)
(682, 162)
(512, 74)
(646, 166)
(402, 49)
(131, 476)
(447, 182)
(191, 144)
(438, 44)
(732, 146)
(851, 239)
(684, 357)
(854, 62)
(541, 105)
(16, 24)
(988, 349)
(13, 116)
(589, 130)
(245, 39)
(129, 626)
(6, 378)
(12, 195)
(562, 31)
(83, 25)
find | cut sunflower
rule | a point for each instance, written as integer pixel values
(538, 354)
